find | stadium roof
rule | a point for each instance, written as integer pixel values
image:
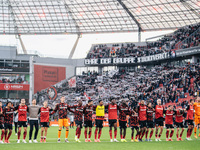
(95, 16)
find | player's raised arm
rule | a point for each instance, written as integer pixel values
(70, 109)
(16, 107)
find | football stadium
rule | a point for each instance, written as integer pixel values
(99, 74)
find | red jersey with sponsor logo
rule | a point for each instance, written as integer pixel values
(22, 112)
(179, 117)
(62, 110)
(1, 116)
(88, 111)
(134, 119)
(190, 112)
(44, 114)
(159, 111)
(8, 115)
(112, 111)
(169, 117)
(142, 111)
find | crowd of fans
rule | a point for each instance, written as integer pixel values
(193, 40)
(171, 84)
(165, 44)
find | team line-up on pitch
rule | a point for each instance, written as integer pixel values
(141, 120)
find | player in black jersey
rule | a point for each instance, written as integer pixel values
(88, 111)
(150, 123)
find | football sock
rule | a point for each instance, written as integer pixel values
(66, 133)
(115, 134)
(77, 130)
(6, 135)
(181, 134)
(167, 134)
(25, 133)
(110, 132)
(79, 133)
(151, 133)
(195, 130)
(137, 136)
(10, 132)
(99, 135)
(89, 134)
(121, 136)
(188, 133)
(59, 133)
(85, 134)
(142, 134)
(95, 134)
(146, 134)
(2, 134)
(171, 134)
(191, 132)
(18, 135)
(159, 135)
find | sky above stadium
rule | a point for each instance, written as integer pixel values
(61, 45)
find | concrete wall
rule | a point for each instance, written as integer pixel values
(10, 52)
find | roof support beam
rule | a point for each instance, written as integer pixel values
(22, 44)
(74, 47)
(186, 4)
(72, 17)
(10, 8)
(139, 34)
(130, 14)
(13, 16)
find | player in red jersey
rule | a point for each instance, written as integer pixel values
(150, 123)
(88, 111)
(123, 112)
(112, 118)
(190, 119)
(1, 123)
(8, 120)
(44, 120)
(142, 111)
(159, 119)
(78, 111)
(62, 109)
(169, 122)
(22, 119)
(179, 113)
(134, 124)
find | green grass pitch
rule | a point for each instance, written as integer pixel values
(105, 142)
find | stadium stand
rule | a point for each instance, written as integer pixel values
(185, 37)
(173, 84)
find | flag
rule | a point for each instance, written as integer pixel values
(72, 82)
(86, 96)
